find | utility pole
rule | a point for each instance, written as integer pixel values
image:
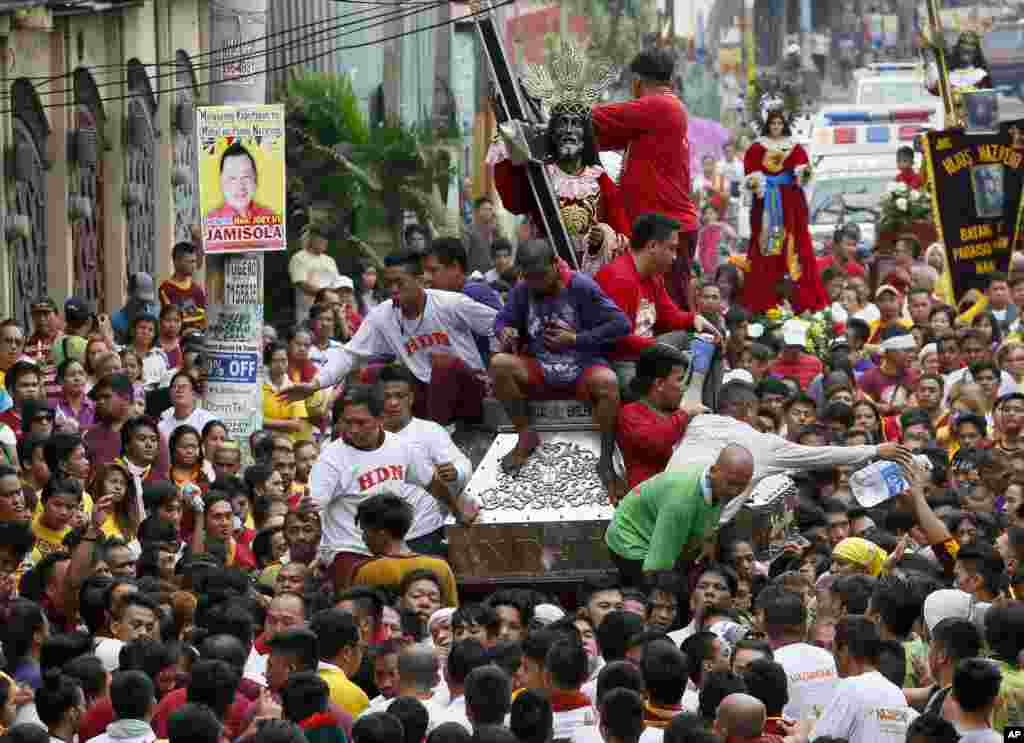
(238, 77)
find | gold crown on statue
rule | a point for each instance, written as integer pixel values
(569, 82)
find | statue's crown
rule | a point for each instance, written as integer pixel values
(569, 82)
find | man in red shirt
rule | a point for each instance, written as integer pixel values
(844, 245)
(649, 428)
(656, 174)
(635, 282)
(794, 361)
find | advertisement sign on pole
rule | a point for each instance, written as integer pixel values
(234, 348)
(241, 177)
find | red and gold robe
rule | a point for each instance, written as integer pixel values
(586, 200)
(795, 258)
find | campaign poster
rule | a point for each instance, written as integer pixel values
(972, 193)
(241, 153)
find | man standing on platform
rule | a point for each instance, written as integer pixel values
(655, 178)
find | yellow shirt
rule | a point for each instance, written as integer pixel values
(110, 528)
(344, 693)
(276, 409)
(388, 572)
(47, 540)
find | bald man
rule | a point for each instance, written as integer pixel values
(668, 517)
(740, 717)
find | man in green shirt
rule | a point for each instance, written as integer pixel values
(668, 517)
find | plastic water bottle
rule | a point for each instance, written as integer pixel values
(882, 480)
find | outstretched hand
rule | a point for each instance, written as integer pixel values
(298, 392)
(897, 453)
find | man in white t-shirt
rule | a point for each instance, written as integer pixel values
(431, 332)
(866, 706)
(365, 461)
(311, 270)
(396, 388)
(811, 670)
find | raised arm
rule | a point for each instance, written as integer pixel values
(784, 455)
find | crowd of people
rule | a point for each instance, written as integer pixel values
(153, 589)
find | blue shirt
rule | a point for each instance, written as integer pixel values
(480, 291)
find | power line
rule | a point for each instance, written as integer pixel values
(121, 65)
(311, 58)
(307, 39)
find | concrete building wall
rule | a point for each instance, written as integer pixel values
(151, 32)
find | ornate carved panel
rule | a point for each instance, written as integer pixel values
(26, 229)
(85, 190)
(140, 163)
(185, 176)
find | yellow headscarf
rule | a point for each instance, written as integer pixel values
(862, 552)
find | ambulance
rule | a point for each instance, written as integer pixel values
(853, 151)
(890, 82)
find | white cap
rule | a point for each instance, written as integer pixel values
(794, 333)
(547, 613)
(903, 342)
(738, 375)
(949, 603)
(345, 282)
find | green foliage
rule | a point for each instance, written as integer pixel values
(329, 107)
(369, 174)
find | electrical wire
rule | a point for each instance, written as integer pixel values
(321, 55)
(122, 65)
(310, 38)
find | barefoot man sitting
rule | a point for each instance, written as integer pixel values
(554, 332)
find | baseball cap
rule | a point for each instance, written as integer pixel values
(737, 375)
(546, 614)
(887, 288)
(794, 333)
(43, 304)
(119, 384)
(141, 286)
(76, 311)
(950, 603)
(345, 282)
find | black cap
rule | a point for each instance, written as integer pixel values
(119, 384)
(76, 311)
(32, 408)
